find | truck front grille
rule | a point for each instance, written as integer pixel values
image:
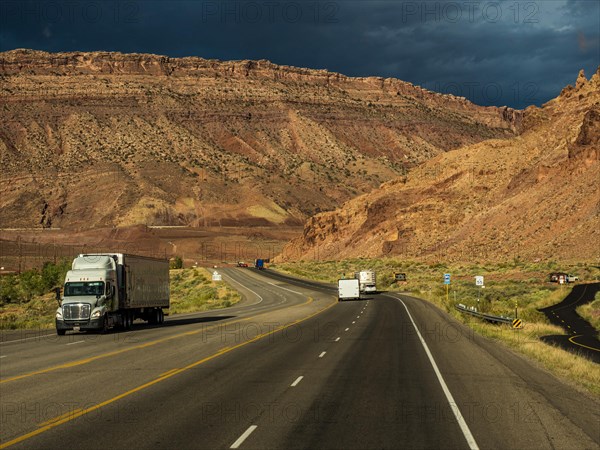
(76, 311)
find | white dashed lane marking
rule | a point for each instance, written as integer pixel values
(244, 436)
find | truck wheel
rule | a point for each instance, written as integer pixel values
(127, 320)
(161, 316)
(61, 332)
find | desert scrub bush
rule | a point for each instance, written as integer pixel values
(193, 290)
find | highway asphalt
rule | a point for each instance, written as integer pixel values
(290, 367)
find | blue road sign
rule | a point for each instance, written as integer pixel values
(446, 278)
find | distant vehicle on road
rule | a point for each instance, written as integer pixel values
(555, 277)
(367, 281)
(348, 289)
(259, 264)
(105, 290)
(242, 264)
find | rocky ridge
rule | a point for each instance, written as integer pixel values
(110, 139)
(535, 196)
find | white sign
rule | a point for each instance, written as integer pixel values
(479, 280)
(216, 276)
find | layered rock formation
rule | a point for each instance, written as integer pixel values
(103, 139)
(534, 196)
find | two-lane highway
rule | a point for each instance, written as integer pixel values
(290, 368)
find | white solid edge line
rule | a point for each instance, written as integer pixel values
(246, 287)
(453, 406)
(298, 380)
(244, 436)
(285, 289)
(322, 354)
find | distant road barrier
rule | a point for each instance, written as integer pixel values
(490, 318)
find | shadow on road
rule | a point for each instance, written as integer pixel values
(175, 322)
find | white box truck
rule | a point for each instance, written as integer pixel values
(105, 290)
(348, 289)
(367, 280)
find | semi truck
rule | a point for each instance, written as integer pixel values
(367, 281)
(106, 290)
(348, 289)
(259, 264)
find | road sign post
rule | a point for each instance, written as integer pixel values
(479, 282)
(447, 283)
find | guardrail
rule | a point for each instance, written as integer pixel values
(490, 318)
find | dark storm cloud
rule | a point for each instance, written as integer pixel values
(507, 52)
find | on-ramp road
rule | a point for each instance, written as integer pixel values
(581, 337)
(290, 367)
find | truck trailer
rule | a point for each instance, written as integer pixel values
(348, 289)
(106, 290)
(367, 280)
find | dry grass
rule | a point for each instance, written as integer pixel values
(193, 290)
(591, 312)
(35, 314)
(572, 368)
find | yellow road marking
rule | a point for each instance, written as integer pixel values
(57, 418)
(582, 345)
(75, 414)
(168, 372)
(137, 347)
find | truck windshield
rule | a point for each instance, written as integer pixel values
(84, 288)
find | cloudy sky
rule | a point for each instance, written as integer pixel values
(506, 52)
